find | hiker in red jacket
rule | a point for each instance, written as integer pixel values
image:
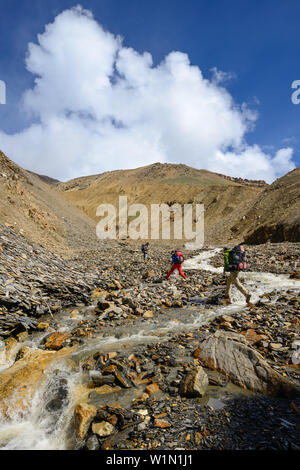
(177, 260)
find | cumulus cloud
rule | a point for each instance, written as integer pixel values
(97, 106)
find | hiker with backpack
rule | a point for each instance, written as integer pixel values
(234, 263)
(145, 250)
(177, 260)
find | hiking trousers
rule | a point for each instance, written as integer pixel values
(233, 279)
(179, 267)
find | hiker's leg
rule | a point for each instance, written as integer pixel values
(181, 272)
(172, 270)
(228, 287)
(239, 286)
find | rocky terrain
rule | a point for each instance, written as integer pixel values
(34, 208)
(275, 214)
(132, 361)
(99, 351)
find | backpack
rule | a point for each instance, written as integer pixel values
(234, 260)
(178, 257)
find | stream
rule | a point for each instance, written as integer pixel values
(40, 428)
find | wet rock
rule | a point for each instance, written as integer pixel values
(14, 322)
(122, 380)
(84, 415)
(92, 443)
(61, 392)
(195, 384)
(57, 341)
(153, 388)
(230, 354)
(103, 429)
(106, 389)
(25, 376)
(99, 379)
(43, 326)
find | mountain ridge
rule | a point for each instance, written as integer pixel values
(62, 215)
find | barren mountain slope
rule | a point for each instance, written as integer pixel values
(37, 210)
(275, 214)
(225, 199)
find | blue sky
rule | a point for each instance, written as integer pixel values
(257, 42)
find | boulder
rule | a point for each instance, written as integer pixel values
(43, 326)
(159, 423)
(57, 340)
(103, 429)
(25, 376)
(148, 314)
(230, 354)
(84, 415)
(195, 383)
(153, 388)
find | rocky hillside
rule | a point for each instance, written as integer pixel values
(235, 209)
(62, 216)
(275, 214)
(224, 198)
(36, 210)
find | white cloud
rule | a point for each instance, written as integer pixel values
(101, 106)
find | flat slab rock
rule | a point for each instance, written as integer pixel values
(230, 354)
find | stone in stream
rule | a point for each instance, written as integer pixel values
(25, 376)
(57, 340)
(93, 443)
(43, 326)
(122, 380)
(60, 392)
(195, 383)
(103, 429)
(84, 414)
(99, 379)
(230, 354)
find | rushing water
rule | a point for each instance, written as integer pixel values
(44, 428)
